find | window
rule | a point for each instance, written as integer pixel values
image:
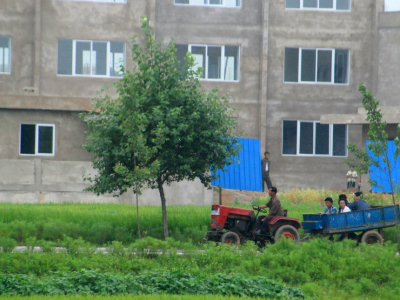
(90, 58)
(37, 139)
(339, 5)
(217, 62)
(313, 138)
(224, 3)
(392, 5)
(328, 66)
(5, 55)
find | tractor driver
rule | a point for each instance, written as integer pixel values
(275, 209)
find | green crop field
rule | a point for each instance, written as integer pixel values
(317, 268)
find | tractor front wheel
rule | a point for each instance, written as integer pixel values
(230, 237)
(288, 232)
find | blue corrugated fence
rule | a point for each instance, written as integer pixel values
(245, 175)
(380, 174)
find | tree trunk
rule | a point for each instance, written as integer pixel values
(137, 216)
(163, 207)
(394, 202)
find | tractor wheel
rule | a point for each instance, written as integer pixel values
(287, 231)
(230, 237)
(372, 237)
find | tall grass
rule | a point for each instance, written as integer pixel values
(101, 224)
(319, 267)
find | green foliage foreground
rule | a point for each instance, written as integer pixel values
(319, 267)
(95, 282)
(127, 297)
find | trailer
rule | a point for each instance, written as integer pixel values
(366, 226)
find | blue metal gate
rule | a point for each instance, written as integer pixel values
(381, 175)
(245, 175)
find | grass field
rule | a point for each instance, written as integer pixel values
(101, 224)
(320, 268)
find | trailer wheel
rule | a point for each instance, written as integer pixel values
(230, 237)
(372, 237)
(287, 231)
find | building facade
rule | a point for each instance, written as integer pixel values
(291, 69)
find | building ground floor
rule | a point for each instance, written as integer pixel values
(42, 159)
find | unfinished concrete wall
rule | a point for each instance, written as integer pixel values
(40, 180)
(241, 27)
(295, 101)
(388, 76)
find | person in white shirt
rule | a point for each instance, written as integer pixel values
(343, 208)
(351, 177)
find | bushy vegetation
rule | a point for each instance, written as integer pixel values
(127, 297)
(176, 283)
(101, 224)
(320, 268)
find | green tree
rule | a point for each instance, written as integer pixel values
(378, 146)
(162, 127)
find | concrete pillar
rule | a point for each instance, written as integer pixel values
(263, 76)
(37, 47)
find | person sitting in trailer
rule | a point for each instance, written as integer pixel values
(344, 197)
(343, 208)
(358, 204)
(329, 209)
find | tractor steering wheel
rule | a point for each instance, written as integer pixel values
(263, 210)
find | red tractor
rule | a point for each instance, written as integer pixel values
(235, 225)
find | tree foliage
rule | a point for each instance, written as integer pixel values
(162, 127)
(378, 146)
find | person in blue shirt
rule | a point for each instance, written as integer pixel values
(358, 204)
(329, 209)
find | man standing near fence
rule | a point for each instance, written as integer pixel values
(265, 167)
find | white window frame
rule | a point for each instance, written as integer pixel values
(9, 55)
(222, 62)
(314, 144)
(208, 4)
(37, 125)
(320, 9)
(332, 82)
(91, 55)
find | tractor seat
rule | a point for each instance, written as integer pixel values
(285, 212)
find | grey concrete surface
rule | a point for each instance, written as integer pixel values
(33, 92)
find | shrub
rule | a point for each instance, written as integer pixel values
(94, 282)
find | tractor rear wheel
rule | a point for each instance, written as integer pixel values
(230, 237)
(372, 237)
(289, 232)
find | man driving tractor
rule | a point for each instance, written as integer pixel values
(275, 209)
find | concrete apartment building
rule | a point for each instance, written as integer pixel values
(291, 67)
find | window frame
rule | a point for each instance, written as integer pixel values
(37, 125)
(334, 9)
(222, 62)
(74, 42)
(9, 56)
(300, 55)
(223, 5)
(314, 136)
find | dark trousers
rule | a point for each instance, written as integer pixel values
(266, 179)
(263, 225)
(351, 184)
